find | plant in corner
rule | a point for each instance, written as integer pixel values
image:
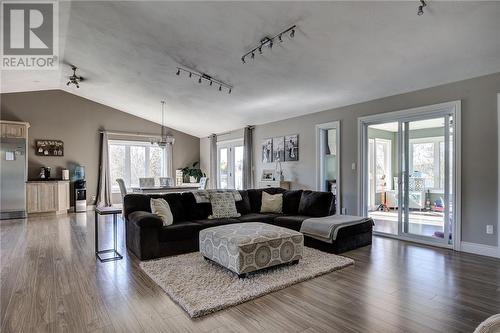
(192, 174)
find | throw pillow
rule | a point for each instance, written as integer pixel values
(271, 203)
(161, 208)
(223, 205)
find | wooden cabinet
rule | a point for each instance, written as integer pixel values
(274, 183)
(47, 197)
(13, 129)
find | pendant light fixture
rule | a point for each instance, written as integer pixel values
(163, 139)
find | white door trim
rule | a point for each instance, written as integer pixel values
(498, 167)
(437, 110)
(319, 164)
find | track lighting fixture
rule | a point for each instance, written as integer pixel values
(205, 77)
(420, 10)
(269, 42)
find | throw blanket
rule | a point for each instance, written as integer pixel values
(326, 228)
(203, 196)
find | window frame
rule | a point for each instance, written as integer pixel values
(127, 161)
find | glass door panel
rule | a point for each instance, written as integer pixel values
(426, 178)
(238, 167)
(223, 168)
(383, 200)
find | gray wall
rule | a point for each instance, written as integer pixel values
(479, 147)
(55, 114)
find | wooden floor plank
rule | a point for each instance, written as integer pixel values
(51, 282)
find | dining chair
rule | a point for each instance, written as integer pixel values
(123, 188)
(166, 181)
(203, 183)
(146, 182)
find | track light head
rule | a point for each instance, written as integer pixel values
(271, 44)
(178, 72)
(420, 10)
(211, 82)
(199, 80)
(243, 59)
(292, 33)
(280, 38)
(253, 55)
(229, 91)
(190, 74)
(260, 49)
(220, 88)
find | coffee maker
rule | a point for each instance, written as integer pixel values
(80, 190)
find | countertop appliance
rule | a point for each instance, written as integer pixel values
(13, 178)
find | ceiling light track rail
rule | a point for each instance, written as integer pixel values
(202, 77)
(269, 42)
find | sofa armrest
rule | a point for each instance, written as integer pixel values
(145, 219)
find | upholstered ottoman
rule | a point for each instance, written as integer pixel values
(248, 247)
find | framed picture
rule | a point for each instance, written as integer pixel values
(278, 149)
(267, 175)
(267, 151)
(292, 147)
(49, 148)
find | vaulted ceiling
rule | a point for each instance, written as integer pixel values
(342, 53)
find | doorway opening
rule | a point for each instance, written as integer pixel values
(328, 160)
(230, 164)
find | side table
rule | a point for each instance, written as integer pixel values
(106, 211)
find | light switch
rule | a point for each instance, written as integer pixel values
(489, 229)
(10, 156)
(353, 166)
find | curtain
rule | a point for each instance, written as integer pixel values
(248, 158)
(104, 188)
(213, 161)
(169, 153)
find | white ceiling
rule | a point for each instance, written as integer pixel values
(342, 53)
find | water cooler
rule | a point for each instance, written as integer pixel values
(80, 190)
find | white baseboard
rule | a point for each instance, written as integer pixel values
(484, 250)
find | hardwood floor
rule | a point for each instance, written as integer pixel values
(50, 281)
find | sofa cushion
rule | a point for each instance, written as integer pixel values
(207, 223)
(145, 219)
(255, 196)
(258, 217)
(243, 206)
(194, 210)
(291, 200)
(290, 222)
(315, 204)
(179, 231)
(175, 201)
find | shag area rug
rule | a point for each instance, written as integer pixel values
(201, 287)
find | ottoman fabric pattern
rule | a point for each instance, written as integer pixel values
(247, 247)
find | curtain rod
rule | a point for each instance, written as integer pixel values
(145, 135)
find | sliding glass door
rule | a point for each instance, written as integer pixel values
(230, 165)
(409, 173)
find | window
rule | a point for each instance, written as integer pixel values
(427, 158)
(131, 160)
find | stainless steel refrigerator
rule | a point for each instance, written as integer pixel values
(13, 178)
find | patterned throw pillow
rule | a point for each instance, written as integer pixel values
(161, 208)
(223, 205)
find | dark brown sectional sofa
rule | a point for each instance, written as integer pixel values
(147, 238)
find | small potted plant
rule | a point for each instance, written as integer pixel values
(192, 174)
